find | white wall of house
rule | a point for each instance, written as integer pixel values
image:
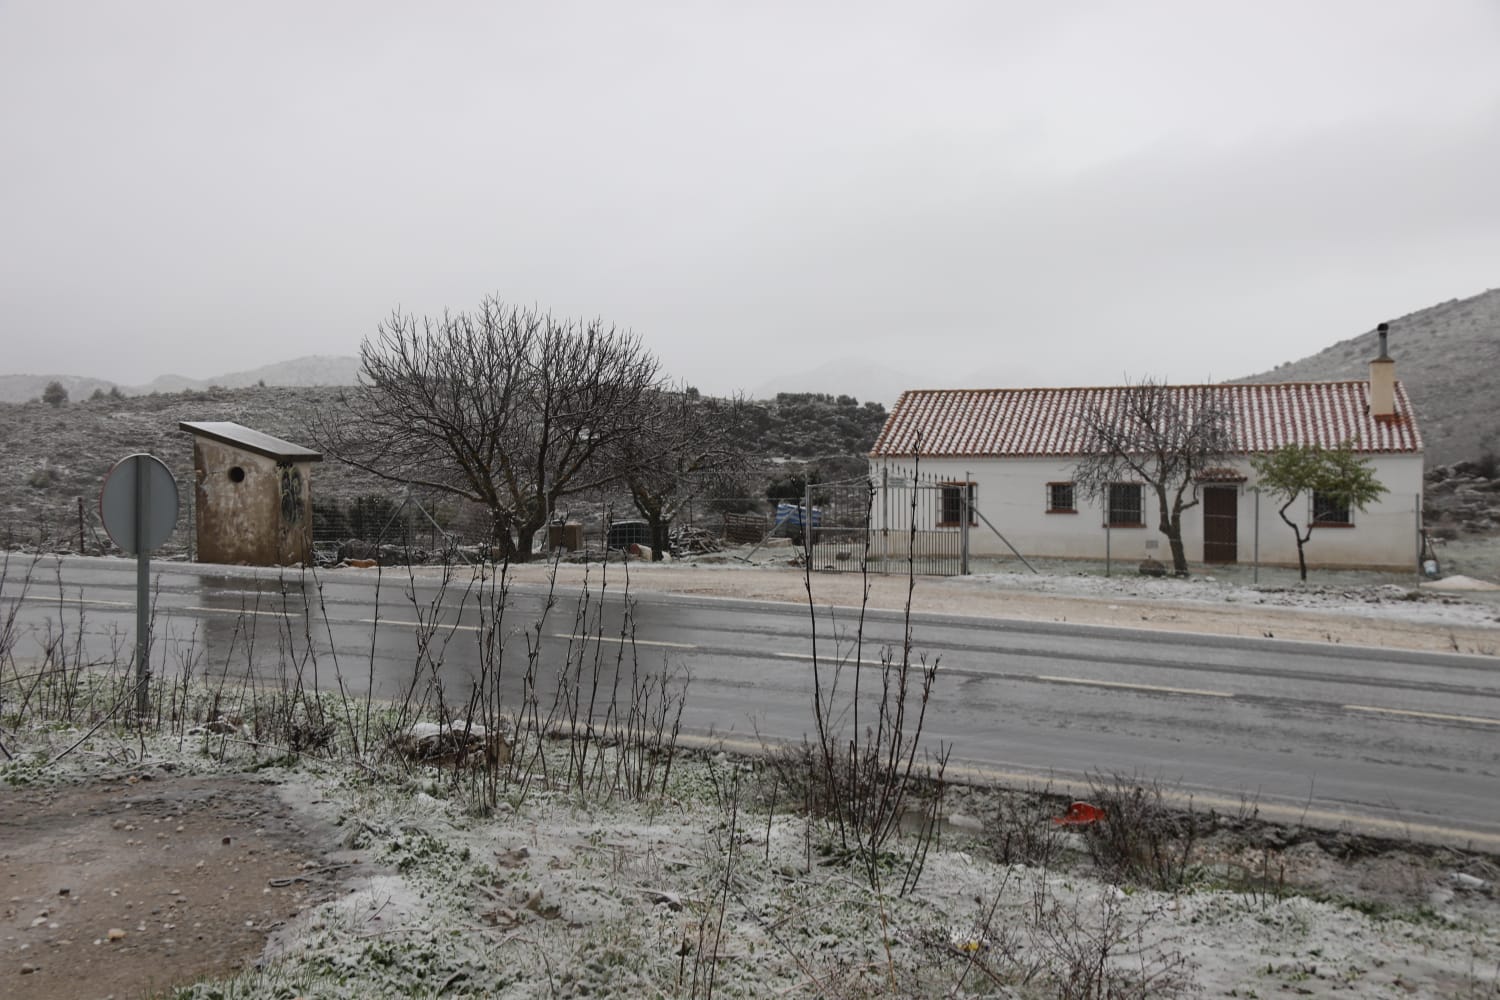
(1012, 494)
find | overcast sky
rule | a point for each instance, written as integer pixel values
(997, 193)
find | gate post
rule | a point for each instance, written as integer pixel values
(963, 525)
(885, 518)
(807, 537)
(1256, 577)
(1107, 536)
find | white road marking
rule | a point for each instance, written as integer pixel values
(1440, 716)
(160, 609)
(243, 611)
(43, 599)
(441, 627)
(833, 659)
(1086, 682)
(615, 638)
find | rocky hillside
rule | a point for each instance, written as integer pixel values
(1449, 358)
(50, 457)
(24, 388)
(808, 425)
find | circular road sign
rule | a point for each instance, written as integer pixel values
(138, 503)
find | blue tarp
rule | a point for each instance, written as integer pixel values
(791, 514)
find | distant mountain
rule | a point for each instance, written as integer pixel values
(1448, 356)
(24, 388)
(313, 370)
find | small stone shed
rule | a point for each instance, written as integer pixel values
(252, 495)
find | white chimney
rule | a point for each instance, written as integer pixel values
(1383, 380)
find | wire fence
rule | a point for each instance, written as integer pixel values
(845, 525)
(409, 527)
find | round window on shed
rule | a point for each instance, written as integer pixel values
(236, 475)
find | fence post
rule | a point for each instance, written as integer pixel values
(1255, 577)
(963, 525)
(1417, 513)
(80, 529)
(1107, 536)
(885, 518)
(807, 536)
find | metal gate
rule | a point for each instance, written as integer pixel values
(889, 523)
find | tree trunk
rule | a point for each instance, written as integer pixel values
(1179, 555)
(1297, 534)
(660, 528)
(525, 534)
(501, 541)
(1172, 528)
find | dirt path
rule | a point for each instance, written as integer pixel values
(125, 887)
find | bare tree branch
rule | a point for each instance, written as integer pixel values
(687, 447)
(506, 407)
(1164, 437)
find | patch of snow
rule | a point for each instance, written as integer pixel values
(1460, 582)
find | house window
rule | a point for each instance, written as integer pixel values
(952, 505)
(1125, 508)
(1330, 510)
(1060, 498)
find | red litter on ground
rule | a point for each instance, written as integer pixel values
(1080, 814)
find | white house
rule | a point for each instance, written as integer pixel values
(1016, 450)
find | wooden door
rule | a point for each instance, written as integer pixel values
(1221, 505)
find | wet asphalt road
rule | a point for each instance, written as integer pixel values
(1393, 742)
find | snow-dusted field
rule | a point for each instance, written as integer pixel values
(707, 891)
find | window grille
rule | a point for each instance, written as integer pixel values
(1125, 507)
(951, 512)
(1329, 509)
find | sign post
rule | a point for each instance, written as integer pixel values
(138, 505)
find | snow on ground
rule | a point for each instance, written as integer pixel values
(1408, 602)
(558, 896)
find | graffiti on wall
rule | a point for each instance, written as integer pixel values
(291, 494)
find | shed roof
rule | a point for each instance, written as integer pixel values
(1017, 423)
(239, 436)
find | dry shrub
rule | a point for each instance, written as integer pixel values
(1145, 839)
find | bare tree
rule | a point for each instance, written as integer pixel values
(687, 448)
(506, 407)
(1163, 437)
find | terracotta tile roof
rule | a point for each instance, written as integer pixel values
(1221, 475)
(1042, 422)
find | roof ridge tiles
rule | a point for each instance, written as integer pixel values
(1113, 388)
(1040, 421)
